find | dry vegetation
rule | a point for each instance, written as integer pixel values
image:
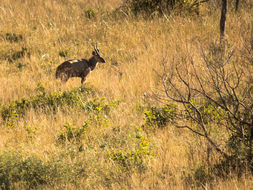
(96, 136)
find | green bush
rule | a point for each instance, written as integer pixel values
(64, 53)
(210, 113)
(72, 134)
(160, 117)
(45, 102)
(13, 55)
(32, 172)
(144, 6)
(132, 160)
(100, 105)
(91, 13)
(12, 37)
(197, 176)
(160, 7)
(51, 102)
(31, 131)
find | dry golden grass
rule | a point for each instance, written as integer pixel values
(133, 49)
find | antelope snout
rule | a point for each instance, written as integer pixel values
(102, 60)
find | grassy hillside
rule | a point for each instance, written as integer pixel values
(61, 135)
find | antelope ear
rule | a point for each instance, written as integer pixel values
(93, 53)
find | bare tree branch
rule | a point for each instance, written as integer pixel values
(187, 127)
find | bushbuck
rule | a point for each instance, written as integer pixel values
(79, 67)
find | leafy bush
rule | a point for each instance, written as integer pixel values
(44, 101)
(98, 109)
(12, 54)
(100, 106)
(12, 37)
(31, 172)
(18, 54)
(31, 131)
(72, 133)
(129, 161)
(91, 13)
(210, 113)
(144, 6)
(151, 7)
(197, 176)
(160, 117)
(64, 53)
(21, 65)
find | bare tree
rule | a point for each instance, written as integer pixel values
(216, 92)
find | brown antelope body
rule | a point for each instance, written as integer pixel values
(79, 67)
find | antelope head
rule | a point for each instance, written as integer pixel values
(96, 55)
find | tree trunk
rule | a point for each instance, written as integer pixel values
(223, 19)
(250, 154)
(250, 145)
(236, 5)
(251, 39)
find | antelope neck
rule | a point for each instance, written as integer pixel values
(92, 62)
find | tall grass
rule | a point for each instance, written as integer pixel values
(116, 149)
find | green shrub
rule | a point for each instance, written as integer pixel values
(160, 7)
(99, 109)
(99, 105)
(197, 176)
(11, 118)
(21, 65)
(72, 134)
(160, 117)
(32, 172)
(12, 37)
(44, 102)
(64, 53)
(210, 113)
(238, 150)
(91, 13)
(18, 54)
(132, 160)
(13, 55)
(31, 131)
(51, 102)
(144, 6)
